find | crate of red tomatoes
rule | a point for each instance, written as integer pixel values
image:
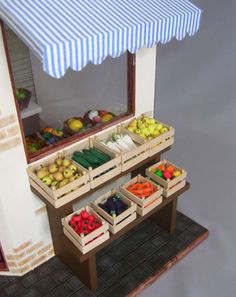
(116, 209)
(86, 229)
(171, 177)
(146, 194)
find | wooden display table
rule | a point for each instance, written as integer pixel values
(84, 265)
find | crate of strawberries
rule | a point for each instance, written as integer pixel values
(86, 229)
(116, 209)
(171, 177)
(146, 194)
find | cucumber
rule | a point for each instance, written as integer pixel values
(100, 155)
(80, 160)
(90, 160)
(92, 157)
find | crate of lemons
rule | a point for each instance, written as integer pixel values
(59, 178)
(151, 132)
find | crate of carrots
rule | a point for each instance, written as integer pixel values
(171, 177)
(146, 194)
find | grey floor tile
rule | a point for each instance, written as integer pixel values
(124, 266)
(83, 292)
(3, 281)
(14, 288)
(30, 278)
(160, 239)
(110, 276)
(147, 249)
(115, 291)
(46, 285)
(64, 290)
(30, 292)
(102, 286)
(75, 283)
(153, 262)
(60, 275)
(142, 272)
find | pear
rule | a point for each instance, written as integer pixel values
(72, 178)
(159, 126)
(47, 180)
(156, 133)
(131, 129)
(66, 162)
(67, 173)
(59, 161)
(64, 182)
(73, 168)
(58, 176)
(133, 124)
(53, 168)
(41, 173)
(51, 176)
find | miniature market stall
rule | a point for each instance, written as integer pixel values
(97, 142)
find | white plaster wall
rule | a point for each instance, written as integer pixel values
(17, 220)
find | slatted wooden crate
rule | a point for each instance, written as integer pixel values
(104, 172)
(157, 144)
(118, 222)
(143, 205)
(64, 194)
(170, 186)
(128, 159)
(87, 242)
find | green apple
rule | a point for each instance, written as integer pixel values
(73, 168)
(164, 130)
(67, 173)
(47, 180)
(66, 162)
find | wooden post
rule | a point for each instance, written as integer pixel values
(166, 216)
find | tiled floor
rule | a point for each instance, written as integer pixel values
(122, 266)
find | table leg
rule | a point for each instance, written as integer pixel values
(67, 252)
(166, 216)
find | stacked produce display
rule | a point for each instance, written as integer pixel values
(94, 161)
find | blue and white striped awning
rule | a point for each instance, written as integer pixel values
(71, 33)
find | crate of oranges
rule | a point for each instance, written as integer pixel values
(171, 177)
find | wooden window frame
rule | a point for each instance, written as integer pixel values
(44, 152)
(3, 265)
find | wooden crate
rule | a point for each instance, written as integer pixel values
(104, 172)
(143, 205)
(62, 195)
(170, 186)
(128, 159)
(157, 144)
(91, 240)
(122, 220)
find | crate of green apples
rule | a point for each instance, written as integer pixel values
(116, 209)
(86, 229)
(156, 135)
(59, 180)
(171, 177)
(118, 141)
(101, 163)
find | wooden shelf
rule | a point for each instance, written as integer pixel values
(137, 221)
(31, 110)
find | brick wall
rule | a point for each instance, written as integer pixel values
(10, 135)
(28, 256)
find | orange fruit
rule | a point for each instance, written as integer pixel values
(162, 167)
(170, 168)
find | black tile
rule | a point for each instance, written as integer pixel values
(135, 277)
(30, 292)
(105, 262)
(30, 278)
(64, 290)
(83, 292)
(46, 285)
(196, 229)
(3, 281)
(130, 245)
(3, 293)
(75, 283)
(102, 286)
(154, 262)
(60, 275)
(14, 289)
(115, 291)
(110, 276)
(161, 239)
(187, 236)
(147, 249)
(124, 266)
